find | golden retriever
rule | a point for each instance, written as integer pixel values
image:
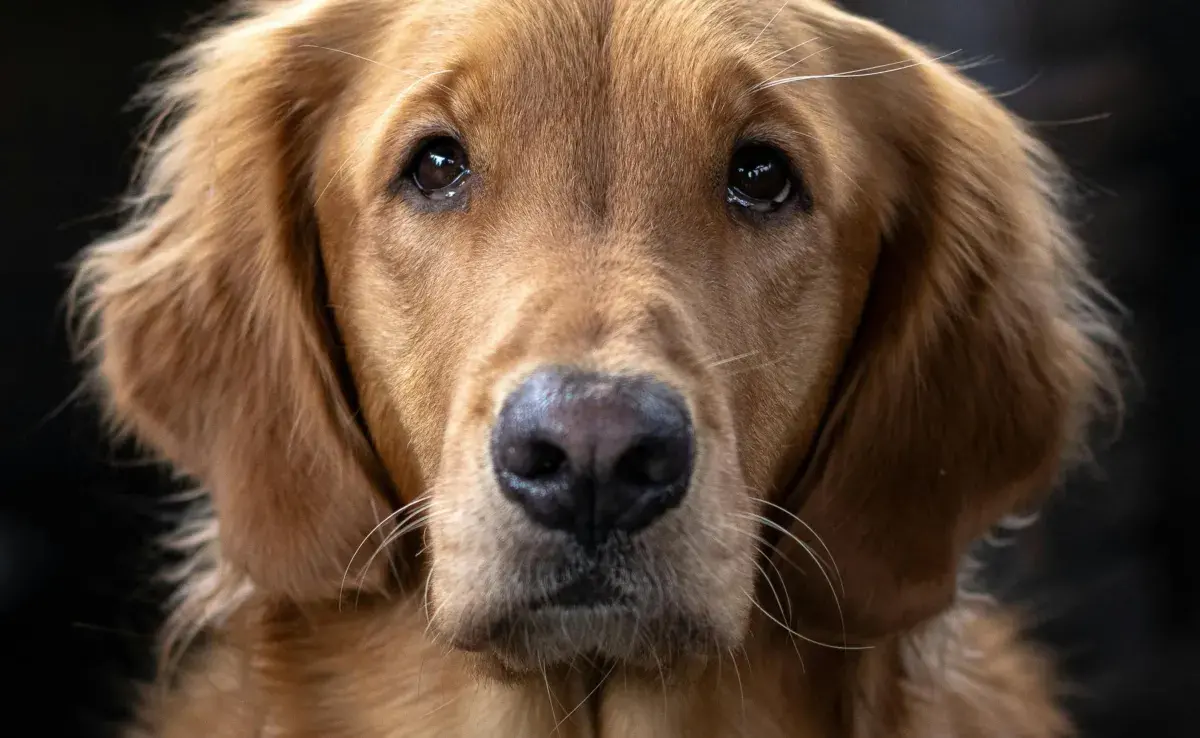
(592, 368)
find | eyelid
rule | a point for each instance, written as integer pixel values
(453, 196)
(409, 144)
(450, 191)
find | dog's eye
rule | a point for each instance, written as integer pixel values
(440, 168)
(760, 178)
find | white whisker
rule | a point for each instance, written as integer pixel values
(897, 66)
(414, 521)
(1021, 87)
(787, 615)
(599, 683)
(788, 50)
(887, 67)
(757, 367)
(1071, 121)
(429, 627)
(968, 64)
(549, 692)
(356, 56)
(772, 551)
(796, 63)
(801, 636)
(367, 537)
(778, 601)
(731, 359)
(444, 705)
(837, 601)
(768, 25)
(741, 687)
(813, 533)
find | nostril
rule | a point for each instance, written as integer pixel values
(534, 460)
(652, 462)
(592, 454)
(546, 460)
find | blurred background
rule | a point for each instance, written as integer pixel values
(1110, 574)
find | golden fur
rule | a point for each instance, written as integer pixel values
(876, 382)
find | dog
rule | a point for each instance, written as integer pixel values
(592, 368)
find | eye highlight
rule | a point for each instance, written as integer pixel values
(760, 178)
(439, 169)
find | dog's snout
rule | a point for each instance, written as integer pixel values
(592, 454)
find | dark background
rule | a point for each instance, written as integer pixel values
(1110, 575)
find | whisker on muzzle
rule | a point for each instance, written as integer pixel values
(778, 601)
(412, 522)
(417, 514)
(813, 554)
(767, 551)
(797, 634)
(799, 521)
(418, 503)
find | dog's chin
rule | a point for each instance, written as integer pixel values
(533, 639)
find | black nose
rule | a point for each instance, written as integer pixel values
(592, 454)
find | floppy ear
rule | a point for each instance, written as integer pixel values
(975, 365)
(208, 324)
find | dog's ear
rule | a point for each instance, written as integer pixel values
(976, 363)
(207, 320)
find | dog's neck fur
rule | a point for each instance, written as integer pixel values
(366, 673)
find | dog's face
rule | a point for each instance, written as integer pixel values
(601, 323)
(622, 288)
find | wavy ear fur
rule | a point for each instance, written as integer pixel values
(977, 362)
(205, 315)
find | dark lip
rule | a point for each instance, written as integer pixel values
(591, 590)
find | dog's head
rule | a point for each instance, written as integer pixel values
(626, 305)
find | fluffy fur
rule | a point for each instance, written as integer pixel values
(876, 381)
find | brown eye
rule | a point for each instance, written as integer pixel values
(760, 178)
(440, 168)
